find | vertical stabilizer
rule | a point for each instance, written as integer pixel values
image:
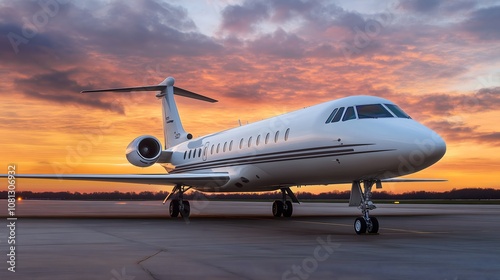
(172, 126)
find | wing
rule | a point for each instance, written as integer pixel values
(410, 180)
(187, 179)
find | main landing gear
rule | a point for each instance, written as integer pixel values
(362, 199)
(284, 207)
(178, 205)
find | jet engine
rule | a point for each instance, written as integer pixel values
(144, 151)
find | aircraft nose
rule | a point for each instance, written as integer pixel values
(439, 148)
(418, 148)
(428, 149)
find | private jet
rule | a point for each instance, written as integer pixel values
(359, 140)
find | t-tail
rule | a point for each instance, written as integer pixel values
(172, 126)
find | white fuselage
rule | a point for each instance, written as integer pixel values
(300, 148)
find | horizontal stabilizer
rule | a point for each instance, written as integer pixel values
(190, 94)
(128, 89)
(177, 91)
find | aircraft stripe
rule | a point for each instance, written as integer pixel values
(267, 155)
(259, 159)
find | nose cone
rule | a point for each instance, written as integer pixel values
(414, 146)
(426, 149)
(433, 148)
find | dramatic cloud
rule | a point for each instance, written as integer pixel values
(484, 23)
(457, 131)
(243, 18)
(59, 87)
(42, 43)
(250, 92)
(492, 137)
(280, 44)
(483, 100)
(420, 6)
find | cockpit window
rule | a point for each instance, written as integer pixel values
(372, 111)
(397, 111)
(338, 115)
(349, 114)
(331, 116)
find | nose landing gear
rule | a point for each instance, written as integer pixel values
(362, 199)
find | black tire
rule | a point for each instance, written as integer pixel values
(374, 227)
(288, 209)
(360, 225)
(174, 208)
(277, 208)
(186, 209)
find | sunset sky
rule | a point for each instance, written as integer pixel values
(438, 60)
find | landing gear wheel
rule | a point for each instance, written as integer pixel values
(277, 208)
(186, 209)
(374, 225)
(360, 225)
(365, 223)
(288, 209)
(283, 206)
(174, 208)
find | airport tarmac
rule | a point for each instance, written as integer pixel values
(116, 240)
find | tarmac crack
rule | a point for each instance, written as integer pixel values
(147, 258)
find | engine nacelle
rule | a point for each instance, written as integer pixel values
(144, 151)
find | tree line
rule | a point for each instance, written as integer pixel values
(466, 193)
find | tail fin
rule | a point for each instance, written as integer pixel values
(172, 125)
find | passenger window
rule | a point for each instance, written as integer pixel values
(225, 145)
(189, 155)
(329, 120)
(287, 132)
(199, 152)
(212, 150)
(372, 111)
(276, 136)
(397, 111)
(267, 138)
(185, 153)
(349, 114)
(241, 143)
(218, 148)
(231, 145)
(258, 140)
(250, 141)
(338, 115)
